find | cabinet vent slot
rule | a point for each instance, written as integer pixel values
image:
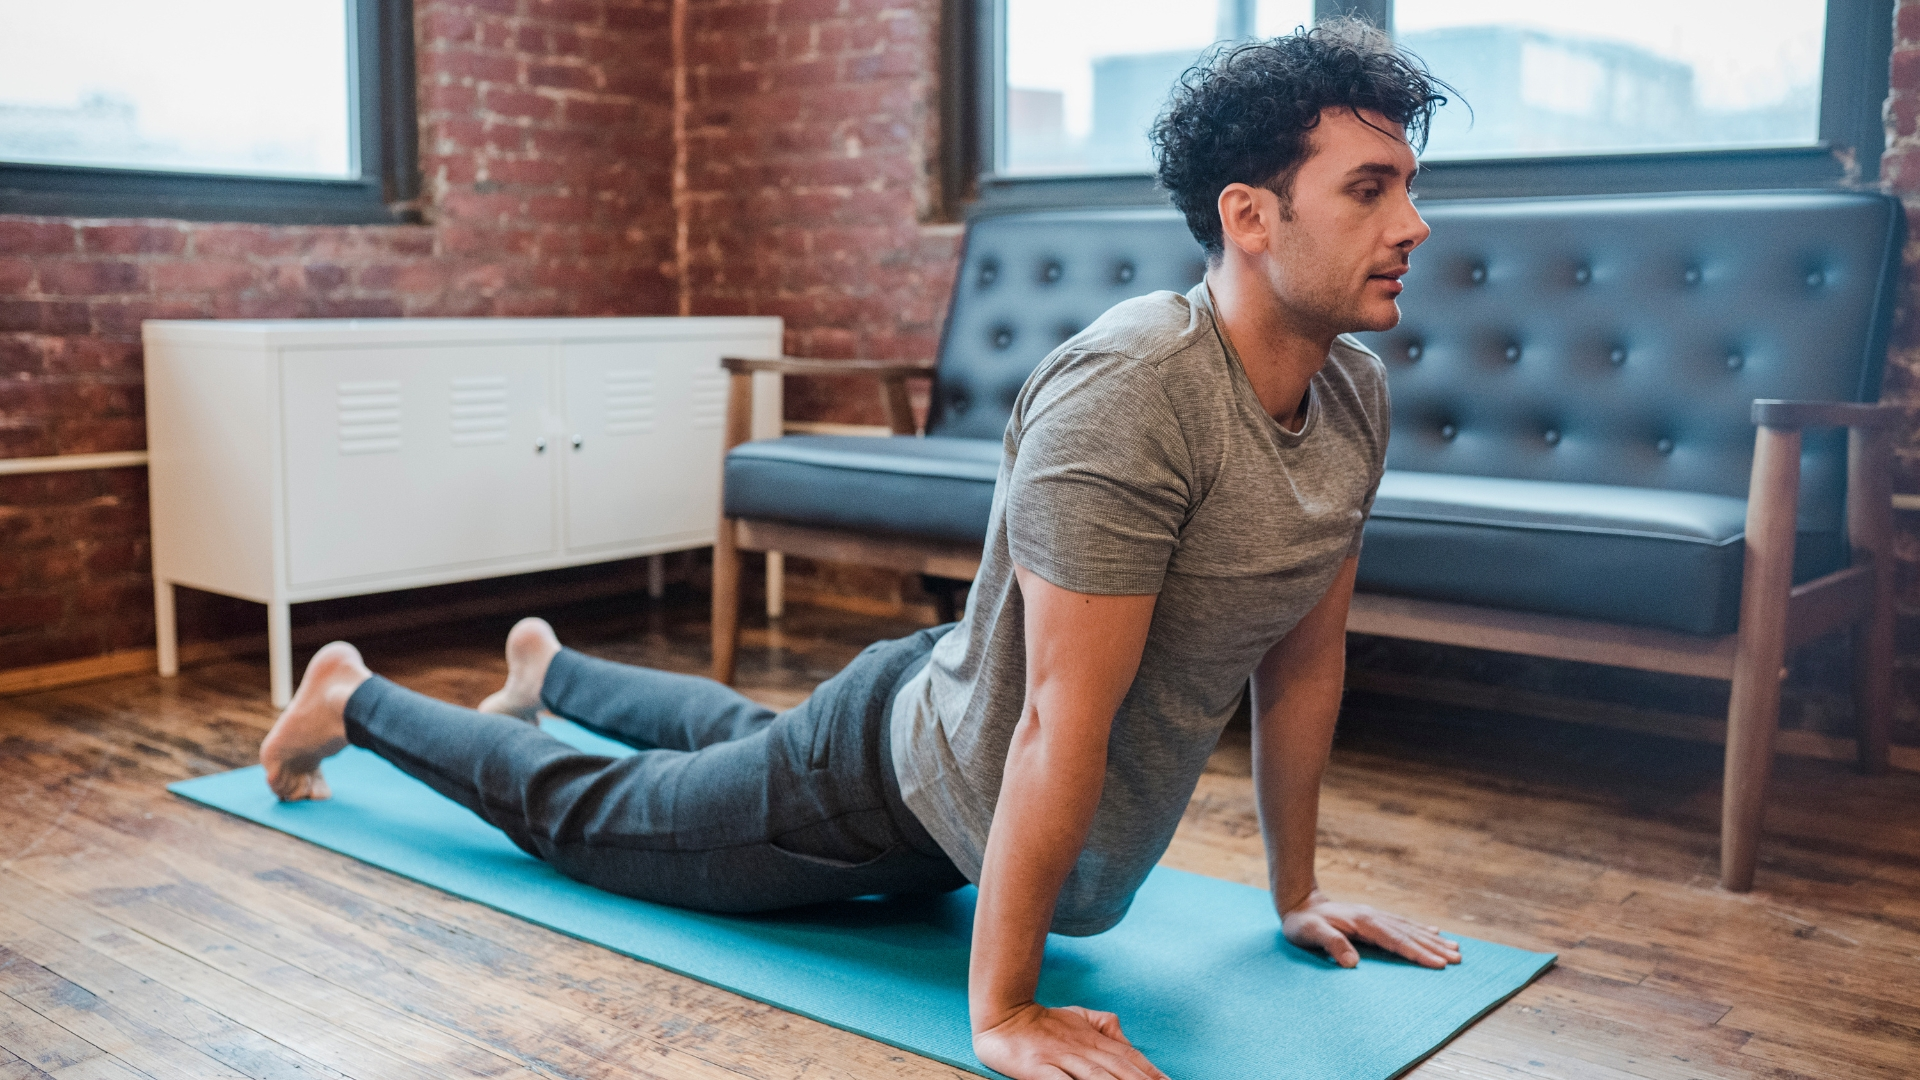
(709, 404)
(369, 416)
(479, 411)
(631, 402)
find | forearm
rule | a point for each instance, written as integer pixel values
(1296, 702)
(1293, 732)
(1048, 795)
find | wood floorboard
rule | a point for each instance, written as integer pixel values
(143, 936)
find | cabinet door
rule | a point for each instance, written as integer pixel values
(648, 416)
(404, 459)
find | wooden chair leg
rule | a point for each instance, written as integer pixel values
(1753, 714)
(1873, 685)
(1870, 532)
(726, 601)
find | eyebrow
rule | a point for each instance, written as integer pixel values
(1383, 169)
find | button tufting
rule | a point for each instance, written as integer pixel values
(1582, 275)
(1413, 351)
(1551, 436)
(1693, 275)
(1618, 356)
(1513, 354)
(1002, 338)
(1447, 432)
(1066, 330)
(959, 402)
(1123, 273)
(1478, 274)
(989, 273)
(1735, 361)
(1816, 279)
(1665, 446)
(1051, 272)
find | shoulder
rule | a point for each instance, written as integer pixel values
(1120, 362)
(1149, 329)
(1355, 373)
(1357, 365)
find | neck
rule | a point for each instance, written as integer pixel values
(1280, 352)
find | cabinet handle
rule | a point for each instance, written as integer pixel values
(539, 446)
(577, 440)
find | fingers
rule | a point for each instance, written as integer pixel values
(1139, 1061)
(1105, 1023)
(1321, 934)
(1125, 1061)
(1420, 944)
(1069, 1043)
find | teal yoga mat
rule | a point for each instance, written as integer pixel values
(1197, 971)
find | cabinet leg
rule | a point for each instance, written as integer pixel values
(280, 652)
(656, 576)
(776, 584)
(165, 629)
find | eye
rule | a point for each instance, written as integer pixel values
(1368, 192)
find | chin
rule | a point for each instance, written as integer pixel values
(1375, 318)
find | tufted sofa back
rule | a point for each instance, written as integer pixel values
(1622, 340)
(1030, 281)
(1608, 340)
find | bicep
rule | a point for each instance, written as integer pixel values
(1083, 650)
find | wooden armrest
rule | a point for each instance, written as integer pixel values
(1794, 415)
(893, 376)
(801, 365)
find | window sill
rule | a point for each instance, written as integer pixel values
(67, 191)
(1588, 174)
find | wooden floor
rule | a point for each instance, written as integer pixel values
(142, 936)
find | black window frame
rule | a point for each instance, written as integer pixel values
(385, 130)
(1854, 82)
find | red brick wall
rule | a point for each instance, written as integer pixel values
(546, 148)
(1901, 175)
(812, 126)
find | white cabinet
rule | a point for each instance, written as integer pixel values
(641, 419)
(303, 460)
(403, 459)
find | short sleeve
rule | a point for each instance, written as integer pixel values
(1366, 511)
(1381, 415)
(1099, 488)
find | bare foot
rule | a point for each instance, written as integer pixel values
(531, 646)
(314, 725)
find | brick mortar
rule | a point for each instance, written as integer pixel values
(803, 193)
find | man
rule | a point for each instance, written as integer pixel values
(1179, 507)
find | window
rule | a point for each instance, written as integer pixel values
(294, 110)
(1627, 95)
(1085, 78)
(1627, 75)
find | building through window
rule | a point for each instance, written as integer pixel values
(1083, 79)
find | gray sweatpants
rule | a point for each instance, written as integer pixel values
(726, 807)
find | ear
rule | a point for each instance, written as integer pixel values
(1247, 217)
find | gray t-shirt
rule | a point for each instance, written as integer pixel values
(1139, 460)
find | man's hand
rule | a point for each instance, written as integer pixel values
(1333, 927)
(1034, 1042)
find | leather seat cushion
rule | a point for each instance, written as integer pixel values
(934, 487)
(1639, 556)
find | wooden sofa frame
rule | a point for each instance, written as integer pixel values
(1775, 614)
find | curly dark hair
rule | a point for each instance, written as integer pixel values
(1242, 114)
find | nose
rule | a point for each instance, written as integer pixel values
(1410, 230)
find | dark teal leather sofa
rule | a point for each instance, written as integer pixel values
(1573, 438)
